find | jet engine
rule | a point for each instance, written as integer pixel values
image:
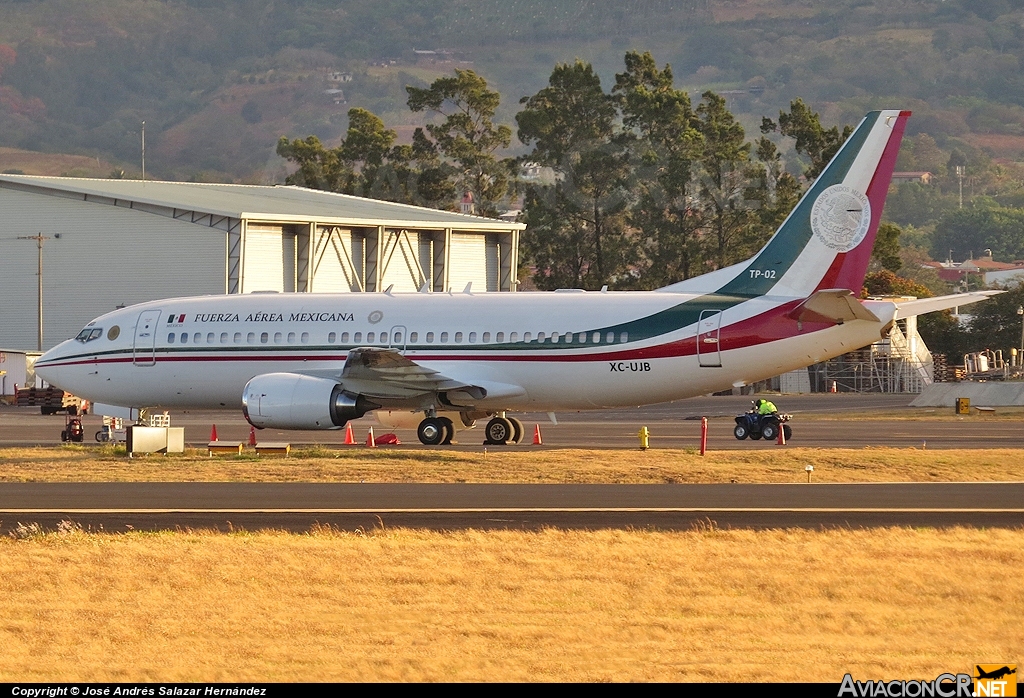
(295, 401)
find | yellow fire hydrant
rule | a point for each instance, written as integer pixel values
(645, 438)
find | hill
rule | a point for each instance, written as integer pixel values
(218, 82)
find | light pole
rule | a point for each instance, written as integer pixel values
(39, 238)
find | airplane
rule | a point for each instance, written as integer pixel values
(441, 361)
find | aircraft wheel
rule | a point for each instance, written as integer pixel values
(788, 431)
(770, 432)
(499, 432)
(517, 430)
(740, 432)
(449, 430)
(431, 431)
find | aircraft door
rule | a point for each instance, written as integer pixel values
(145, 338)
(709, 328)
(399, 338)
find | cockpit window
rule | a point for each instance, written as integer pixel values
(89, 334)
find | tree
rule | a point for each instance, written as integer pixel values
(725, 176)
(576, 233)
(468, 136)
(812, 139)
(886, 252)
(662, 132)
(368, 163)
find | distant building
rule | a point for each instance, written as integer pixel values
(919, 177)
(467, 205)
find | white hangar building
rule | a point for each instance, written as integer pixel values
(110, 242)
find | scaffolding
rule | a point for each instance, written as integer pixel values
(901, 363)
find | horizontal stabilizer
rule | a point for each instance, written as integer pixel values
(930, 305)
(832, 305)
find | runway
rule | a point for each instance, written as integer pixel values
(672, 425)
(351, 506)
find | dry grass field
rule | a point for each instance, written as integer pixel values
(77, 464)
(706, 605)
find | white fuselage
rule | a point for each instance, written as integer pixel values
(201, 352)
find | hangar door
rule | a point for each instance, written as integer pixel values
(405, 260)
(474, 257)
(268, 259)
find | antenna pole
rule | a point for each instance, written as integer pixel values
(143, 150)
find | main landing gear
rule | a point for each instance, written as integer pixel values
(434, 431)
(500, 431)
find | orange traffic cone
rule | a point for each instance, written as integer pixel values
(213, 433)
(781, 441)
(350, 438)
(369, 439)
(537, 441)
(252, 436)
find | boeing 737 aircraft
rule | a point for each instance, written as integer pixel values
(316, 361)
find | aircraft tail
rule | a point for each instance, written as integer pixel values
(826, 241)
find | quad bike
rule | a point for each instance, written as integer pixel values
(757, 426)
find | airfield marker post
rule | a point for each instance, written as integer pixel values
(703, 435)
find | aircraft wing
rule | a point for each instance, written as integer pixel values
(385, 373)
(930, 305)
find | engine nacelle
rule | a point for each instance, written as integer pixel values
(295, 401)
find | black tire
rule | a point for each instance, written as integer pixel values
(64, 435)
(740, 432)
(101, 436)
(431, 432)
(449, 430)
(517, 430)
(498, 432)
(770, 432)
(787, 431)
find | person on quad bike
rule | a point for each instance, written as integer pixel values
(765, 407)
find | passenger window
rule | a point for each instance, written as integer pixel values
(223, 337)
(458, 338)
(540, 338)
(414, 337)
(331, 337)
(304, 338)
(624, 337)
(582, 338)
(597, 338)
(197, 338)
(291, 338)
(610, 338)
(238, 338)
(250, 338)
(554, 338)
(210, 339)
(526, 336)
(170, 338)
(184, 337)
(568, 337)
(430, 337)
(444, 338)
(472, 337)
(358, 337)
(486, 337)
(264, 337)
(369, 337)
(500, 337)
(278, 338)
(383, 337)
(397, 339)
(344, 337)
(513, 337)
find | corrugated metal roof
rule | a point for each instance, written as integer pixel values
(253, 202)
